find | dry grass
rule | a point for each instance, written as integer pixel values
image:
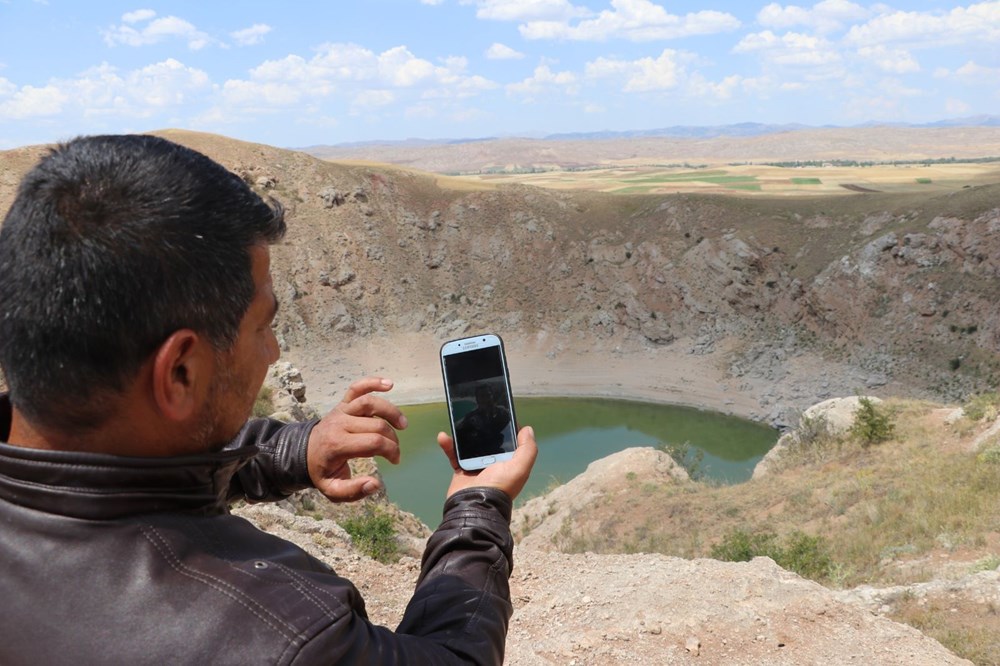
(918, 507)
(969, 629)
(877, 506)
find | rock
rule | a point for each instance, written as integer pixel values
(544, 516)
(835, 416)
(331, 197)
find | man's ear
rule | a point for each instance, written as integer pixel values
(182, 370)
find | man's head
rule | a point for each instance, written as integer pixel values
(113, 244)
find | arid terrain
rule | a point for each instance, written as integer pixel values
(804, 163)
(760, 306)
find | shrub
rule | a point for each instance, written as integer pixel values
(741, 546)
(814, 430)
(872, 423)
(806, 555)
(264, 404)
(374, 534)
(691, 458)
(982, 406)
(990, 456)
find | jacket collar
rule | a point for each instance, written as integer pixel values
(100, 486)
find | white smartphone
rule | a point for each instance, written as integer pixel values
(480, 404)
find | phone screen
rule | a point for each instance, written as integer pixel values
(479, 402)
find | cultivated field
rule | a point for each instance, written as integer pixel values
(757, 179)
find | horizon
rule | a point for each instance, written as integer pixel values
(467, 70)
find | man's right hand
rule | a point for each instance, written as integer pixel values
(508, 476)
(361, 426)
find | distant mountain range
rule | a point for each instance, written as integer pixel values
(676, 131)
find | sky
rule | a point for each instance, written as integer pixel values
(296, 74)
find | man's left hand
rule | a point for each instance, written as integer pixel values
(361, 426)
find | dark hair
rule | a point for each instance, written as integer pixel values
(112, 244)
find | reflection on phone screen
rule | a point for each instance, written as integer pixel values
(479, 405)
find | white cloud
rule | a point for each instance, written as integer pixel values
(154, 31)
(431, 2)
(33, 102)
(333, 62)
(962, 25)
(893, 61)
(138, 16)
(634, 20)
(971, 72)
(371, 99)
(167, 83)
(349, 64)
(252, 35)
(526, 10)
(256, 95)
(424, 111)
(498, 51)
(642, 75)
(542, 80)
(826, 16)
(401, 68)
(790, 49)
(353, 74)
(722, 90)
(104, 91)
(956, 106)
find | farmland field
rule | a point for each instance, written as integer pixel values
(758, 180)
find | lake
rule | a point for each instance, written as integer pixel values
(572, 433)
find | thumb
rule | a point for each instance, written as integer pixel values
(527, 449)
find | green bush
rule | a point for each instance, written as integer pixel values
(814, 430)
(264, 404)
(981, 406)
(740, 546)
(990, 456)
(692, 459)
(806, 555)
(872, 423)
(374, 534)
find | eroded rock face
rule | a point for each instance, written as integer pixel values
(834, 417)
(540, 519)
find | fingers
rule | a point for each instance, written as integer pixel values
(340, 436)
(349, 490)
(366, 404)
(367, 385)
(508, 476)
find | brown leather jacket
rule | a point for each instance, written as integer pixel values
(105, 559)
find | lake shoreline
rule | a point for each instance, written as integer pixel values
(685, 373)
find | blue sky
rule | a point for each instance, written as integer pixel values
(300, 73)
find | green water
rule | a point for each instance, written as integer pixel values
(572, 433)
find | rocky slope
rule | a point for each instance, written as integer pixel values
(901, 289)
(648, 609)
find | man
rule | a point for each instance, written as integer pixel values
(135, 331)
(481, 431)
